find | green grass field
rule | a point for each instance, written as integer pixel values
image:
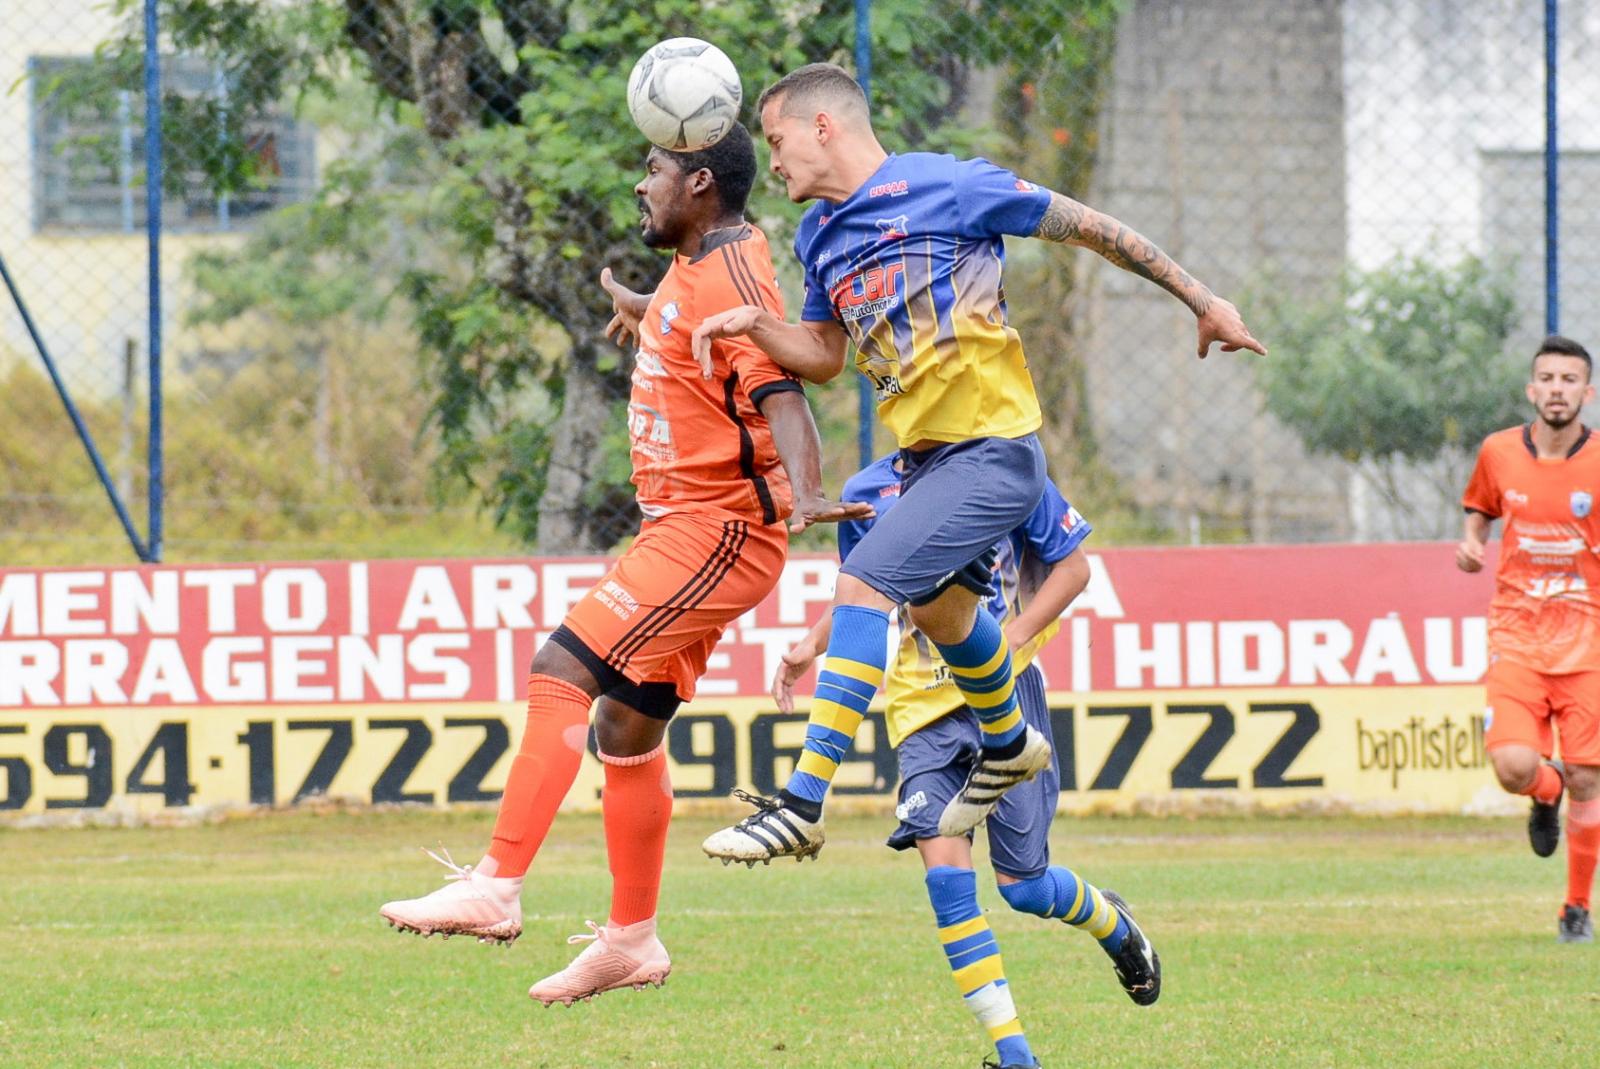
(1286, 942)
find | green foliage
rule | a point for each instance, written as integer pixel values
(527, 191)
(1404, 363)
(244, 480)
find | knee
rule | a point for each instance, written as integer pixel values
(1583, 783)
(1515, 767)
(948, 620)
(1029, 896)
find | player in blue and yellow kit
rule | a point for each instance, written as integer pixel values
(1034, 571)
(903, 256)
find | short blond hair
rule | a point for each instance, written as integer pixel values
(816, 87)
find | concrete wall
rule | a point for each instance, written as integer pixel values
(1224, 143)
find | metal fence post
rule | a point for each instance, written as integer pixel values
(153, 178)
(1552, 185)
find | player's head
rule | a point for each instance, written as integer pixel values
(1559, 386)
(683, 192)
(808, 116)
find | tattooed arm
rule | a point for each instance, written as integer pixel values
(1071, 223)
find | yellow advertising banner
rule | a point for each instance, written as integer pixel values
(1386, 748)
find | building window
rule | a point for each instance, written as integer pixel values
(88, 157)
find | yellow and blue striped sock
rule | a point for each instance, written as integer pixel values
(850, 676)
(980, 666)
(974, 958)
(1061, 894)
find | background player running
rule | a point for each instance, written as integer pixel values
(1036, 572)
(903, 257)
(1544, 622)
(712, 545)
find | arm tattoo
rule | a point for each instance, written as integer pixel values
(1067, 221)
(1062, 219)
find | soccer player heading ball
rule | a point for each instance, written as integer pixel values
(706, 464)
(1541, 479)
(903, 257)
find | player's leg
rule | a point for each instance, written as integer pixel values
(1019, 850)
(933, 765)
(1520, 742)
(1578, 722)
(1583, 848)
(484, 900)
(972, 643)
(956, 502)
(630, 730)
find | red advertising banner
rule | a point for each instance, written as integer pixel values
(465, 631)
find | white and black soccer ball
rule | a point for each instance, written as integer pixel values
(684, 94)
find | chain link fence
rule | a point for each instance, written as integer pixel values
(382, 223)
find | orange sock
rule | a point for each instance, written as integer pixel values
(541, 773)
(1583, 845)
(637, 801)
(1546, 786)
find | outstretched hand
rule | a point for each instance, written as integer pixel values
(730, 324)
(1223, 324)
(791, 667)
(628, 309)
(821, 510)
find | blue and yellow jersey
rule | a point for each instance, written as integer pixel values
(918, 686)
(910, 264)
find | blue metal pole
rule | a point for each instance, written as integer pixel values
(77, 420)
(865, 408)
(153, 178)
(1552, 161)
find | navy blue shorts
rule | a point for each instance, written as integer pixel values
(956, 502)
(934, 762)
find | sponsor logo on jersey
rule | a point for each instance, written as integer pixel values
(1026, 187)
(649, 364)
(1551, 550)
(669, 312)
(911, 805)
(1070, 521)
(890, 229)
(867, 293)
(1516, 497)
(897, 188)
(823, 257)
(892, 490)
(1582, 502)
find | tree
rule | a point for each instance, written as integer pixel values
(522, 105)
(1401, 372)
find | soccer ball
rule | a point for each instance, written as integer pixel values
(684, 94)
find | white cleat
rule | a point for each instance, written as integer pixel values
(773, 830)
(470, 903)
(616, 957)
(988, 782)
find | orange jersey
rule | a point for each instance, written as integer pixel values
(702, 443)
(1546, 608)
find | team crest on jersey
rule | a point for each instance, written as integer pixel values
(890, 229)
(669, 312)
(1582, 502)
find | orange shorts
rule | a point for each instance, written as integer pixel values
(659, 612)
(1524, 703)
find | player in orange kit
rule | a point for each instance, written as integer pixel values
(706, 464)
(1544, 622)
